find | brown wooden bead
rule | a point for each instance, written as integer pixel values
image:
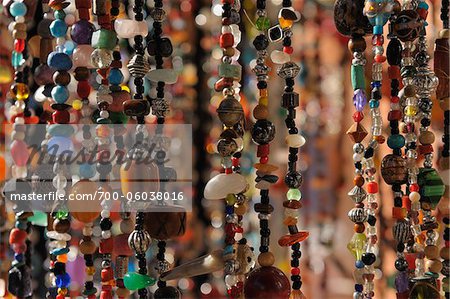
(357, 45)
(410, 91)
(292, 204)
(358, 180)
(359, 228)
(445, 253)
(81, 73)
(445, 103)
(426, 137)
(241, 209)
(61, 225)
(166, 225)
(434, 266)
(260, 112)
(441, 68)
(266, 259)
(87, 246)
(431, 252)
(61, 78)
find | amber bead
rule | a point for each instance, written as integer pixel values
(289, 240)
(260, 112)
(166, 225)
(87, 246)
(398, 213)
(138, 176)
(358, 180)
(266, 259)
(431, 252)
(78, 207)
(356, 45)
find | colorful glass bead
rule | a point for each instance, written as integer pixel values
(432, 187)
(357, 77)
(81, 32)
(356, 245)
(58, 28)
(60, 94)
(294, 194)
(20, 91)
(18, 9)
(262, 23)
(135, 281)
(16, 59)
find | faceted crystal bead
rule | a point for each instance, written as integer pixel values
(356, 245)
(82, 31)
(101, 58)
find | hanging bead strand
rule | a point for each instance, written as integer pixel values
(441, 68)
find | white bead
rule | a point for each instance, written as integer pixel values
(295, 140)
(105, 214)
(226, 29)
(106, 234)
(279, 57)
(104, 114)
(20, 19)
(414, 196)
(19, 120)
(357, 157)
(60, 41)
(130, 28)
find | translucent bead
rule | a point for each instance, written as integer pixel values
(20, 91)
(356, 245)
(16, 59)
(101, 58)
(294, 194)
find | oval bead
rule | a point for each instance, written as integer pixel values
(135, 281)
(223, 184)
(82, 56)
(130, 28)
(59, 61)
(57, 145)
(60, 130)
(295, 140)
(19, 152)
(81, 32)
(60, 94)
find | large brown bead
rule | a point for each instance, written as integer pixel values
(61, 225)
(393, 170)
(139, 176)
(80, 206)
(119, 98)
(166, 225)
(267, 282)
(61, 78)
(87, 246)
(349, 18)
(136, 107)
(230, 111)
(441, 68)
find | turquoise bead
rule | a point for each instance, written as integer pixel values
(60, 14)
(59, 61)
(18, 9)
(396, 141)
(69, 46)
(16, 59)
(228, 250)
(423, 5)
(60, 94)
(60, 251)
(135, 281)
(58, 28)
(58, 145)
(115, 76)
(87, 170)
(21, 225)
(374, 103)
(60, 130)
(377, 29)
(357, 76)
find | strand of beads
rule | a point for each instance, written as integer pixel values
(61, 62)
(139, 239)
(288, 70)
(441, 67)
(425, 83)
(263, 132)
(231, 184)
(19, 276)
(43, 73)
(378, 19)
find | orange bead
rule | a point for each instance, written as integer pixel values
(359, 228)
(62, 258)
(372, 187)
(398, 213)
(358, 180)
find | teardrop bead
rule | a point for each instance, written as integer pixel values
(19, 152)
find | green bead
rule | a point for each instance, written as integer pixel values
(396, 141)
(230, 199)
(104, 39)
(135, 281)
(118, 117)
(432, 187)
(357, 75)
(62, 214)
(39, 218)
(356, 245)
(262, 23)
(60, 130)
(230, 71)
(294, 194)
(60, 14)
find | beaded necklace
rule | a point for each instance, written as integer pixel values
(441, 68)
(350, 21)
(19, 276)
(139, 239)
(378, 13)
(263, 132)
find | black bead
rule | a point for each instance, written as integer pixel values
(261, 42)
(263, 131)
(401, 265)
(105, 224)
(368, 258)
(293, 179)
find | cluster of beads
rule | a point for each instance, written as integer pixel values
(441, 67)
(357, 133)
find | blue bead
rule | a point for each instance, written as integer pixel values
(21, 224)
(18, 257)
(375, 84)
(58, 28)
(358, 287)
(16, 59)
(228, 250)
(115, 76)
(58, 145)
(59, 61)
(374, 104)
(63, 280)
(396, 141)
(60, 130)
(60, 94)
(60, 14)
(87, 170)
(229, 210)
(423, 5)
(18, 9)
(60, 251)
(359, 264)
(69, 46)
(377, 29)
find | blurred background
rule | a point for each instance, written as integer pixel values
(326, 159)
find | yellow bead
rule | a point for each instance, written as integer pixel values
(126, 88)
(20, 91)
(285, 23)
(77, 104)
(62, 291)
(357, 244)
(263, 92)
(410, 110)
(90, 270)
(230, 199)
(264, 101)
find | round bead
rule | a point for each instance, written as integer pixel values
(81, 32)
(266, 259)
(267, 282)
(59, 61)
(18, 9)
(60, 94)
(58, 28)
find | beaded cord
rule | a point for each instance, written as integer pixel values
(441, 67)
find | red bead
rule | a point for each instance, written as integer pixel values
(228, 170)
(394, 115)
(267, 282)
(395, 99)
(19, 45)
(223, 83)
(83, 89)
(263, 150)
(288, 50)
(425, 149)
(106, 295)
(380, 58)
(358, 116)
(60, 296)
(377, 40)
(264, 160)
(121, 246)
(423, 13)
(447, 243)
(295, 271)
(17, 236)
(235, 161)
(19, 152)
(19, 248)
(411, 259)
(106, 245)
(406, 202)
(372, 187)
(226, 40)
(107, 274)
(31, 120)
(61, 117)
(414, 187)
